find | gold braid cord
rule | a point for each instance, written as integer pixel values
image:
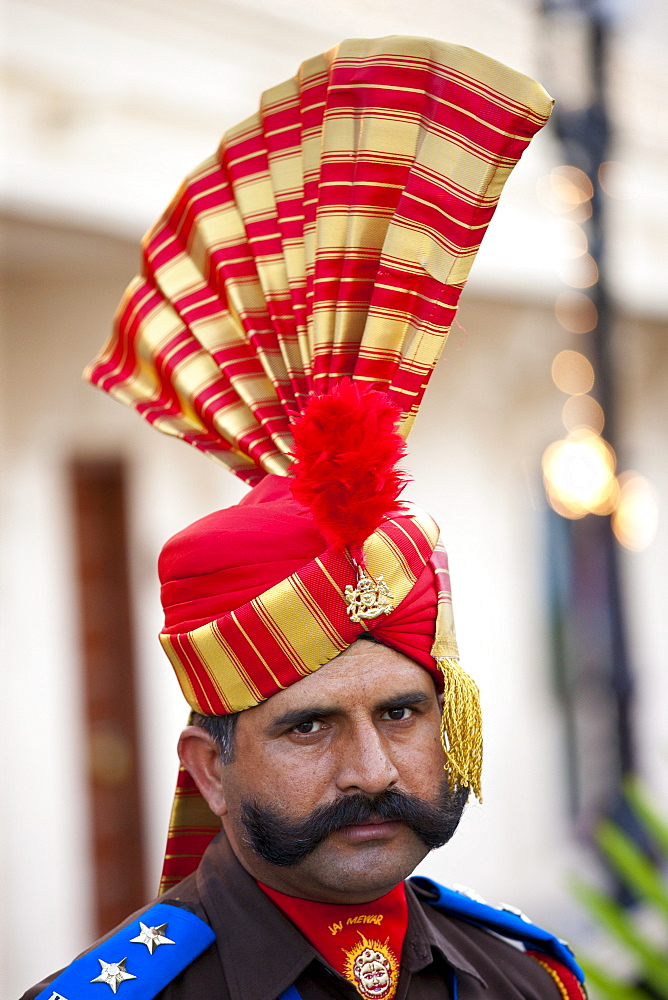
(461, 726)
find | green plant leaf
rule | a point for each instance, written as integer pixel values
(654, 964)
(633, 866)
(653, 823)
(612, 988)
(647, 881)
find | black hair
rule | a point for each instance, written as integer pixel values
(221, 729)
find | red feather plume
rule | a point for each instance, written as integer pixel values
(346, 450)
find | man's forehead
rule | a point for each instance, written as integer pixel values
(365, 672)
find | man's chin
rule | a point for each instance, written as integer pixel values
(353, 865)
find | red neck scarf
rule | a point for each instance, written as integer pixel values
(362, 941)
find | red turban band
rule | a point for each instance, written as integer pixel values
(254, 598)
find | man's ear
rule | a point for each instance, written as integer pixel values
(199, 754)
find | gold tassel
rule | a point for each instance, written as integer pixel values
(461, 726)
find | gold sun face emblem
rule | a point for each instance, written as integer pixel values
(373, 968)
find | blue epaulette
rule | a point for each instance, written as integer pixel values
(141, 959)
(508, 923)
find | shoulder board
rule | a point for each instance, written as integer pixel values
(139, 960)
(506, 922)
(569, 986)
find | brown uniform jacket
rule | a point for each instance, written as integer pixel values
(258, 952)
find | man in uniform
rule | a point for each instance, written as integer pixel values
(294, 300)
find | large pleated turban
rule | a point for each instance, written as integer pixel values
(319, 254)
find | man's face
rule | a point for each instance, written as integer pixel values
(365, 724)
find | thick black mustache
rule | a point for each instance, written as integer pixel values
(285, 842)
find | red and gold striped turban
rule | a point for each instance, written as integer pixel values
(255, 599)
(326, 242)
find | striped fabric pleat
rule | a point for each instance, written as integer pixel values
(192, 827)
(330, 235)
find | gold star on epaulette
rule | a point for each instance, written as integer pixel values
(113, 974)
(152, 937)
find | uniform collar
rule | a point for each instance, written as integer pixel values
(424, 938)
(248, 924)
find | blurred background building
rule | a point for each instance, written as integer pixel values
(107, 106)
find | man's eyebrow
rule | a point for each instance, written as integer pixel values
(405, 698)
(306, 714)
(299, 715)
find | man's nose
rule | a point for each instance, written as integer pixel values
(366, 764)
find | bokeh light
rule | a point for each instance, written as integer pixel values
(573, 242)
(566, 191)
(579, 273)
(579, 474)
(583, 411)
(570, 185)
(581, 213)
(572, 372)
(618, 180)
(576, 312)
(636, 516)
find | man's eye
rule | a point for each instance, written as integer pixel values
(397, 714)
(306, 728)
